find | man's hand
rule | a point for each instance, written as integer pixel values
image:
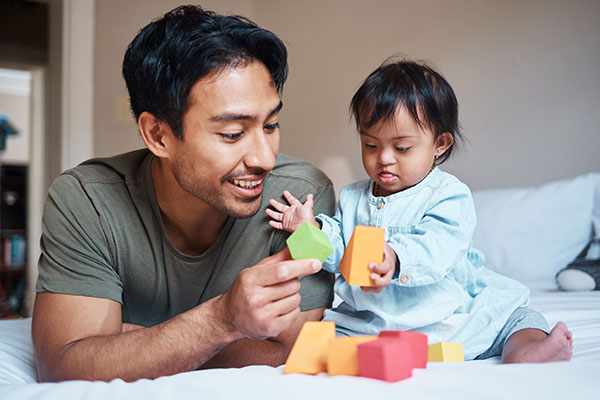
(264, 299)
(381, 274)
(289, 218)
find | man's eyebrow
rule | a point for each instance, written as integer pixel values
(227, 117)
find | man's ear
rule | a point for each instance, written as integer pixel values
(443, 143)
(155, 134)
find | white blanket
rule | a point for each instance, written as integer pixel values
(577, 379)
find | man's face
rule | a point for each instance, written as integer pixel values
(230, 139)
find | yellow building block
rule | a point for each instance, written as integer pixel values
(445, 352)
(365, 246)
(309, 354)
(342, 356)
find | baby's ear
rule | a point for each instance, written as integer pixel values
(443, 143)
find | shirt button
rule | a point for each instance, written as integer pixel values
(380, 204)
(404, 278)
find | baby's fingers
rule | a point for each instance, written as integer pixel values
(274, 214)
(291, 199)
(379, 269)
(276, 225)
(379, 281)
(277, 205)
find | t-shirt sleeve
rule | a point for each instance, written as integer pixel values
(317, 289)
(75, 251)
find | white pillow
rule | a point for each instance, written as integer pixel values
(529, 234)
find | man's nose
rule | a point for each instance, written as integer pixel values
(262, 151)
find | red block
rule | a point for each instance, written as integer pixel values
(387, 359)
(418, 344)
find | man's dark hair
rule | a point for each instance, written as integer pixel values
(169, 55)
(427, 96)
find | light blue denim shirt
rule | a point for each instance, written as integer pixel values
(442, 288)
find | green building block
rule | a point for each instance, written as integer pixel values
(309, 242)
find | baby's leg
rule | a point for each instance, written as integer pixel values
(535, 346)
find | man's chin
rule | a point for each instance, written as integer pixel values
(244, 208)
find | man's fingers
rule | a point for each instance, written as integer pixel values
(272, 273)
(282, 255)
(286, 305)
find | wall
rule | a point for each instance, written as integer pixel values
(525, 73)
(117, 22)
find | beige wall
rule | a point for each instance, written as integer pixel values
(525, 73)
(117, 22)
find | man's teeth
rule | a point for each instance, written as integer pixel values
(247, 184)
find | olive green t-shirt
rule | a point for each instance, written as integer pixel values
(103, 237)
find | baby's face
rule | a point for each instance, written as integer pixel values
(398, 154)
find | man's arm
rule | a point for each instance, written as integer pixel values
(272, 351)
(78, 337)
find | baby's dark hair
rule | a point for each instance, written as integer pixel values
(424, 92)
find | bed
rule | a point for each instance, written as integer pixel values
(527, 233)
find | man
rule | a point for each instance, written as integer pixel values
(162, 260)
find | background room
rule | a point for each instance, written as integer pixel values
(525, 74)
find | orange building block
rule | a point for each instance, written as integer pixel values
(387, 358)
(342, 358)
(309, 354)
(446, 352)
(365, 246)
(417, 344)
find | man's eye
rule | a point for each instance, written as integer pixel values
(231, 136)
(402, 149)
(272, 127)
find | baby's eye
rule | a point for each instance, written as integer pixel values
(370, 146)
(402, 149)
(231, 136)
(270, 128)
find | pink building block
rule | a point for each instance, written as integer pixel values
(387, 359)
(418, 344)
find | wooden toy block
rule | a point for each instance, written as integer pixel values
(308, 241)
(342, 358)
(446, 352)
(309, 353)
(388, 358)
(417, 341)
(365, 246)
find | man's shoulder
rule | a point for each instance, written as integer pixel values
(291, 170)
(121, 168)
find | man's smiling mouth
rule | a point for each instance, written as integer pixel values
(246, 184)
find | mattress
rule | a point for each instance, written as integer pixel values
(487, 379)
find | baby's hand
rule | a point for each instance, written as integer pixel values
(381, 274)
(289, 218)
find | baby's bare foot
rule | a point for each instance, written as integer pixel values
(557, 346)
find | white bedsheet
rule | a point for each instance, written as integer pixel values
(577, 379)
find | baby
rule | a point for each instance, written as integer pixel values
(431, 279)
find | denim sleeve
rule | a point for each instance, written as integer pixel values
(430, 249)
(332, 227)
